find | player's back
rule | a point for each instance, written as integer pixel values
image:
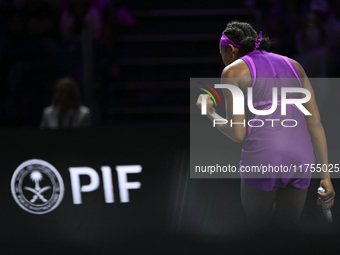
(275, 139)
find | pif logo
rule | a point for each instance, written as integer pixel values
(238, 100)
(38, 188)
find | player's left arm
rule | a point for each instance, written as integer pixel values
(318, 138)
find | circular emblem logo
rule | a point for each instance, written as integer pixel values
(37, 186)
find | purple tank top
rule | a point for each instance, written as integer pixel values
(272, 144)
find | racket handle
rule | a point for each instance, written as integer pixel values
(327, 213)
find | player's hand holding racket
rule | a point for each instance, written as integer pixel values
(328, 196)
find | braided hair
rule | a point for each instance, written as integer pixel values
(245, 35)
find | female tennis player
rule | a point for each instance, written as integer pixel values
(278, 197)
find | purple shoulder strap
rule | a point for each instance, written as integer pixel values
(252, 66)
(293, 69)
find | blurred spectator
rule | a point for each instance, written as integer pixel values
(66, 110)
(80, 14)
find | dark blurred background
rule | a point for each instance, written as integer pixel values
(133, 59)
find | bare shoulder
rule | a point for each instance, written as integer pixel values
(237, 73)
(237, 69)
(298, 68)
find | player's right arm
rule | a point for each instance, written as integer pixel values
(233, 74)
